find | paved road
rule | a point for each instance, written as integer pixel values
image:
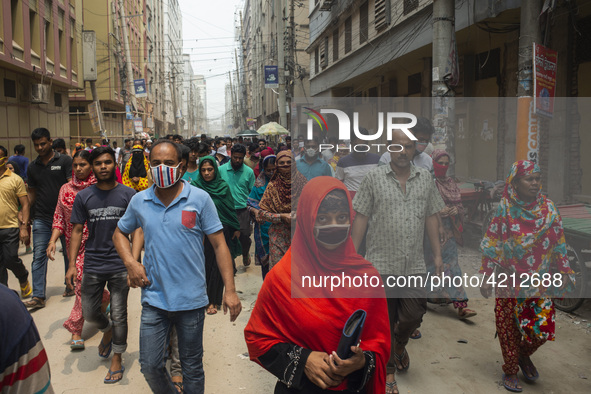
(439, 363)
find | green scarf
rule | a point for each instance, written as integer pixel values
(220, 193)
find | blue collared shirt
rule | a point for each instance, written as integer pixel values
(174, 259)
(317, 168)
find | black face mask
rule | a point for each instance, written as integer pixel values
(332, 235)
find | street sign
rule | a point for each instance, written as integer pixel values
(545, 65)
(138, 124)
(140, 87)
(94, 111)
(271, 76)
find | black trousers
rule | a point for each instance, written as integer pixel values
(9, 260)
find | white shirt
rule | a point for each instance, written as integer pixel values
(422, 160)
(117, 150)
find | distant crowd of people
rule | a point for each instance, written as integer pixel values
(171, 216)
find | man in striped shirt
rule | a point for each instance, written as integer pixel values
(24, 367)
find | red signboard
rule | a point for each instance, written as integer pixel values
(545, 64)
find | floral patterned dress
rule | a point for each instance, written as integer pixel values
(527, 240)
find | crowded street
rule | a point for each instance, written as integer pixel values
(440, 363)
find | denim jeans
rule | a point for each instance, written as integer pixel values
(92, 297)
(41, 237)
(9, 240)
(154, 337)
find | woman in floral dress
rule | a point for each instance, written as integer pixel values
(525, 241)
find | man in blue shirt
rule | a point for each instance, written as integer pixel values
(20, 159)
(240, 179)
(175, 218)
(310, 164)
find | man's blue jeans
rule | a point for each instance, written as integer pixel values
(41, 237)
(154, 338)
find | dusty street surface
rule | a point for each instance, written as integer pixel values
(439, 363)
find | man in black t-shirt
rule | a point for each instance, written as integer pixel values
(101, 206)
(46, 175)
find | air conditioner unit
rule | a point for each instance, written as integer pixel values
(39, 93)
(327, 5)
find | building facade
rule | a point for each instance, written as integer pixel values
(38, 66)
(383, 48)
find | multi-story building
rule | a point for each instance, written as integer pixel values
(259, 47)
(142, 21)
(383, 48)
(190, 100)
(172, 62)
(201, 106)
(38, 65)
(229, 108)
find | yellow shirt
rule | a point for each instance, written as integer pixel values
(12, 187)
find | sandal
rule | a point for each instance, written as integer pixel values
(179, 386)
(416, 334)
(391, 388)
(69, 292)
(105, 349)
(511, 384)
(111, 373)
(400, 358)
(77, 344)
(466, 313)
(212, 310)
(530, 368)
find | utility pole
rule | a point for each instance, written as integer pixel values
(130, 89)
(239, 94)
(527, 139)
(234, 115)
(174, 103)
(281, 61)
(443, 97)
(292, 50)
(120, 63)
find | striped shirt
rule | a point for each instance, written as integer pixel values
(24, 367)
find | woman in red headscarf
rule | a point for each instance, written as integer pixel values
(294, 329)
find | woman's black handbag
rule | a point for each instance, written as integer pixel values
(351, 333)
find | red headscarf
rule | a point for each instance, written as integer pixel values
(280, 316)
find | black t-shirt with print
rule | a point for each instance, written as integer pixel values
(47, 181)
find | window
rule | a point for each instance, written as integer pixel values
(382, 14)
(17, 22)
(35, 32)
(57, 99)
(409, 6)
(324, 53)
(9, 88)
(363, 29)
(348, 35)
(316, 60)
(335, 45)
(414, 84)
(487, 64)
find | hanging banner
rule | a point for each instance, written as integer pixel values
(251, 122)
(140, 87)
(271, 76)
(527, 146)
(545, 65)
(138, 125)
(128, 114)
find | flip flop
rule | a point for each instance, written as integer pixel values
(514, 381)
(179, 386)
(391, 386)
(416, 336)
(77, 344)
(528, 367)
(469, 313)
(212, 311)
(111, 373)
(105, 348)
(400, 358)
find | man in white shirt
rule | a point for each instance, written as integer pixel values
(423, 131)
